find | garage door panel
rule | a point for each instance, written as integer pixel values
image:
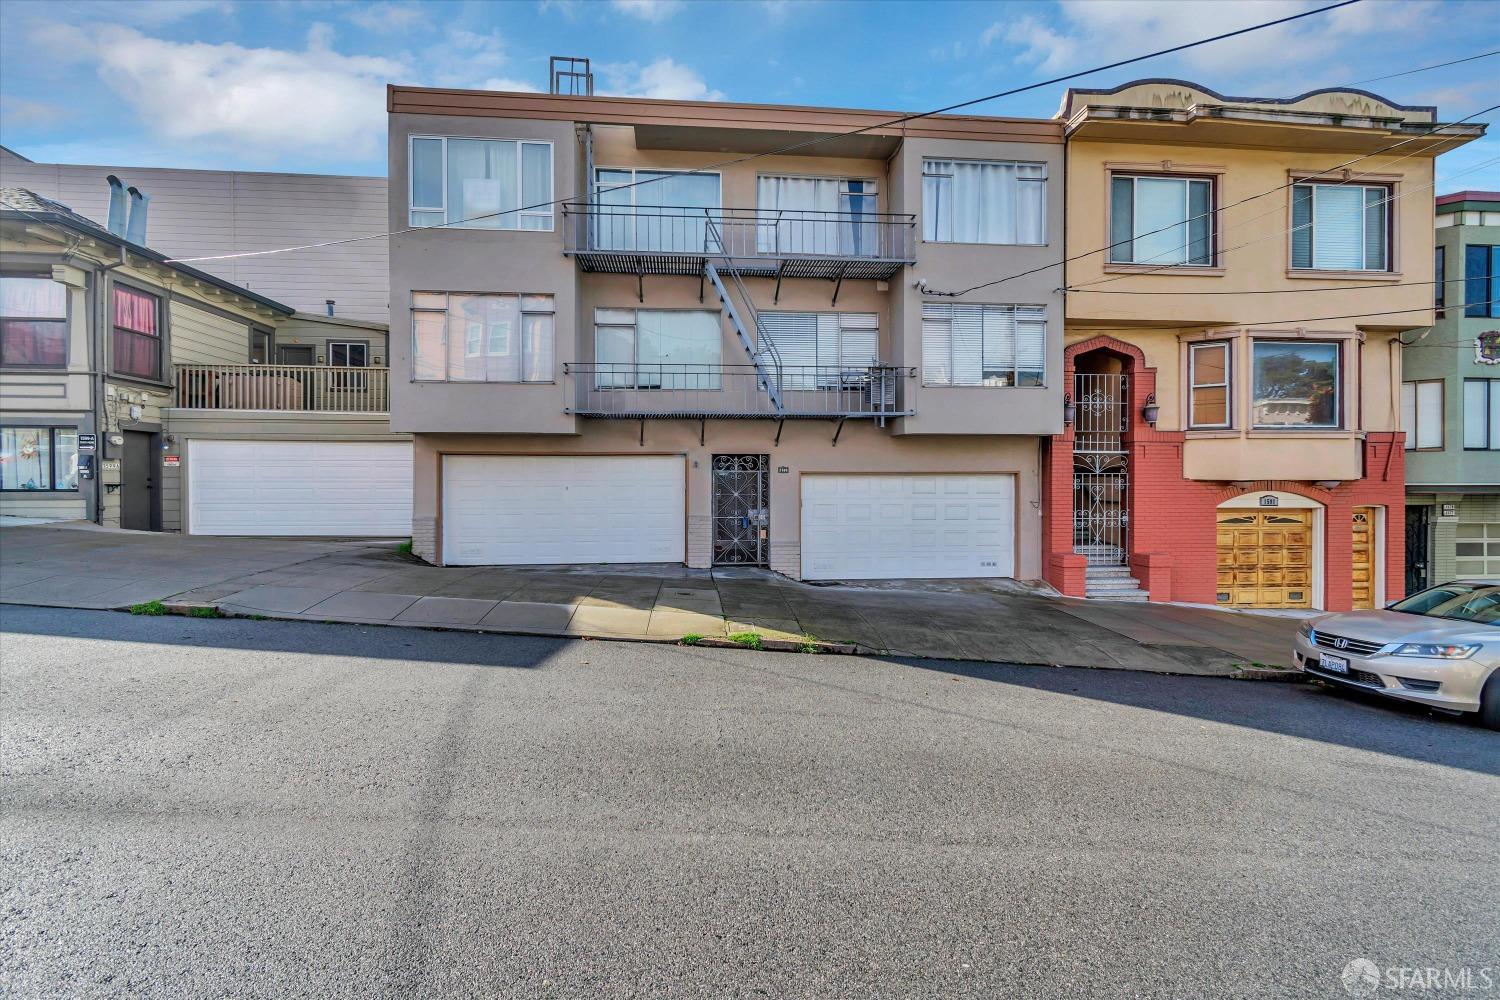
(500, 510)
(299, 488)
(919, 526)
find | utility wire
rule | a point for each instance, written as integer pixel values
(1423, 69)
(1216, 211)
(799, 145)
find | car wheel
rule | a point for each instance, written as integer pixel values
(1489, 702)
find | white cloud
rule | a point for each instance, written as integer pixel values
(388, 17)
(159, 12)
(505, 83)
(662, 79)
(654, 11)
(1086, 28)
(20, 111)
(262, 101)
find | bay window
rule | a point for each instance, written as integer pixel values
(469, 337)
(657, 349)
(480, 183)
(1341, 227)
(983, 201)
(1208, 376)
(33, 321)
(816, 215)
(819, 350)
(1482, 281)
(135, 345)
(1161, 220)
(1482, 414)
(1296, 384)
(988, 345)
(1422, 414)
(662, 210)
(38, 458)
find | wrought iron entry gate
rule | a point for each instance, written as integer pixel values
(1418, 555)
(742, 509)
(1101, 518)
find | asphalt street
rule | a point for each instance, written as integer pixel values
(207, 808)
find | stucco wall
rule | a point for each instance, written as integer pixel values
(806, 447)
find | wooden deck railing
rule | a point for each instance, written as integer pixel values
(305, 388)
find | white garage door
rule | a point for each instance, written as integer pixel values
(360, 489)
(511, 510)
(889, 527)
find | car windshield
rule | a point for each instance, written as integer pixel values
(1467, 602)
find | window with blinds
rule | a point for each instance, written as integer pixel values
(817, 350)
(1422, 414)
(989, 345)
(1341, 227)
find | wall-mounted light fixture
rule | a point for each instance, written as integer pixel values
(1150, 411)
(1070, 409)
(1328, 484)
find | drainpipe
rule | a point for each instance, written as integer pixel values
(96, 351)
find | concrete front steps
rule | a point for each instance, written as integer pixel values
(1112, 583)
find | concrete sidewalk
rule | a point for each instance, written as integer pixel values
(373, 583)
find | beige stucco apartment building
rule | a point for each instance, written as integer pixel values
(708, 358)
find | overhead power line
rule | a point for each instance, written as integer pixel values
(900, 120)
(1423, 69)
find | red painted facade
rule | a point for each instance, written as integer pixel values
(1173, 520)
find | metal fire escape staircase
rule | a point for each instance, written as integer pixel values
(761, 348)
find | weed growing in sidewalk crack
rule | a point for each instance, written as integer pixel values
(690, 639)
(205, 613)
(750, 640)
(148, 608)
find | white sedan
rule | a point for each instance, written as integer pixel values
(1438, 647)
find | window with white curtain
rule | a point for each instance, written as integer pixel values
(1482, 414)
(657, 349)
(662, 210)
(820, 349)
(1340, 227)
(998, 345)
(1161, 220)
(480, 183)
(1422, 413)
(465, 337)
(984, 201)
(816, 215)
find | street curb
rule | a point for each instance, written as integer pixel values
(185, 609)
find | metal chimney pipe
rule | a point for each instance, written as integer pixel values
(330, 306)
(116, 220)
(135, 232)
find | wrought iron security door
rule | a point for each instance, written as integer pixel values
(742, 509)
(1418, 554)
(1101, 517)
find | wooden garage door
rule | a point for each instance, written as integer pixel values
(1265, 559)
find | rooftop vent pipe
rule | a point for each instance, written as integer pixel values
(329, 303)
(116, 221)
(135, 232)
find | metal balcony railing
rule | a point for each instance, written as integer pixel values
(675, 239)
(660, 391)
(305, 388)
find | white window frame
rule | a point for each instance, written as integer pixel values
(447, 313)
(412, 208)
(712, 381)
(1338, 387)
(1414, 426)
(1491, 404)
(1388, 198)
(834, 374)
(927, 212)
(1227, 346)
(1014, 309)
(1186, 180)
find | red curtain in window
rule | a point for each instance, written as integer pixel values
(135, 311)
(29, 342)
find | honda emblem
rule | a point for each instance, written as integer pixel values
(1341, 643)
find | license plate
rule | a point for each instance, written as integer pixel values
(1334, 664)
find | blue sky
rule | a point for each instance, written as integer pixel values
(284, 85)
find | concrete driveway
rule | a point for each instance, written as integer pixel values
(373, 583)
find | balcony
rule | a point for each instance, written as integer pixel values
(286, 388)
(778, 243)
(670, 391)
